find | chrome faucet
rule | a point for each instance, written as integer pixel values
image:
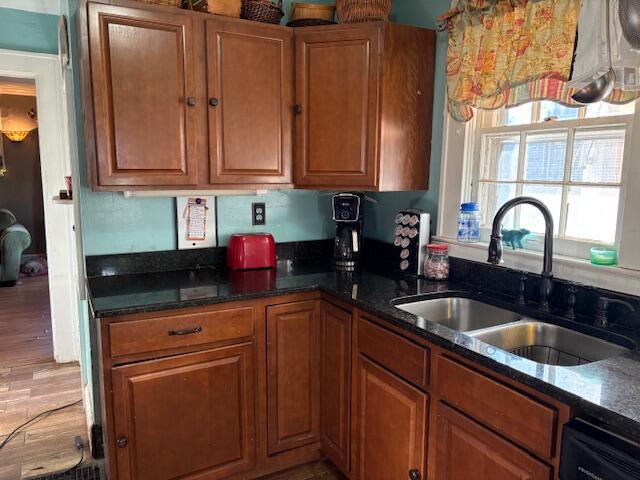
(495, 247)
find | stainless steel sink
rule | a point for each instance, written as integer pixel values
(548, 344)
(461, 314)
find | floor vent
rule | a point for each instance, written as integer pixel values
(89, 472)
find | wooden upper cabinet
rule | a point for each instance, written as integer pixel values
(337, 81)
(465, 450)
(143, 99)
(190, 416)
(293, 375)
(250, 104)
(391, 425)
(364, 98)
(335, 384)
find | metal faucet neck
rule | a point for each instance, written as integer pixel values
(495, 247)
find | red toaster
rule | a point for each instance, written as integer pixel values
(251, 250)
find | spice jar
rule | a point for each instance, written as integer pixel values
(436, 266)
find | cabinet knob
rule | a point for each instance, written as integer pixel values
(213, 102)
(122, 442)
(297, 109)
(191, 101)
(414, 474)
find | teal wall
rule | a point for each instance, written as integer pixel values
(28, 32)
(379, 217)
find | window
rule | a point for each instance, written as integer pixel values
(569, 158)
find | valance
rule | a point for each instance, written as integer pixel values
(509, 52)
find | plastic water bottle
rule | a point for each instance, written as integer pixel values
(469, 223)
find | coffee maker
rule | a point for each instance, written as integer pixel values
(347, 213)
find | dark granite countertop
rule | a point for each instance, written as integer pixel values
(607, 390)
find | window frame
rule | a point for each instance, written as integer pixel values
(485, 125)
(454, 173)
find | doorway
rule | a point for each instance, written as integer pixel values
(43, 416)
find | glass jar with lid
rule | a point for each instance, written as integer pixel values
(469, 223)
(436, 266)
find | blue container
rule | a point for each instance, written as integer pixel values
(469, 223)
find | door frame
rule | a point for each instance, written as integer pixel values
(58, 158)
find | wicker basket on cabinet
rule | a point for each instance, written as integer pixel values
(167, 3)
(357, 11)
(226, 8)
(264, 11)
(304, 11)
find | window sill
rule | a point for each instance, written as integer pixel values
(579, 270)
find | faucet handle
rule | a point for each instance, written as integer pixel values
(602, 312)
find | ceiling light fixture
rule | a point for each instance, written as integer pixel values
(16, 135)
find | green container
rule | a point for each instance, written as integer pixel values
(604, 256)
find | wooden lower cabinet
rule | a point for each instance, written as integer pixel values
(264, 385)
(190, 416)
(293, 408)
(467, 450)
(391, 425)
(335, 384)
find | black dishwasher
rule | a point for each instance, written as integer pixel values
(590, 452)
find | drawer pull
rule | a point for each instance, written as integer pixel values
(190, 331)
(122, 442)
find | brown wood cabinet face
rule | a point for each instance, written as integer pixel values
(523, 419)
(337, 88)
(186, 416)
(391, 425)
(466, 450)
(142, 71)
(250, 90)
(335, 383)
(292, 375)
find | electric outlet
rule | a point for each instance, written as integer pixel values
(259, 214)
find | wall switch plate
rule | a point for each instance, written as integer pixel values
(259, 213)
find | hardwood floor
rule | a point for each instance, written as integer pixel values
(25, 323)
(31, 383)
(322, 470)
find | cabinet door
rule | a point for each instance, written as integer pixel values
(142, 73)
(250, 87)
(391, 425)
(292, 376)
(337, 83)
(468, 450)
(186, 416)
(335, 383)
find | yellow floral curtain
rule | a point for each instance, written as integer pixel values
(508, 52)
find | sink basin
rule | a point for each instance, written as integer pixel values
(548, 344)
(459, 313)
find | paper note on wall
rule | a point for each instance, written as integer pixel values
(195, 225)
(196, 216)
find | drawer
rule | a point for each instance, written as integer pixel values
(524, 420)
(403, 357)
(162, 333)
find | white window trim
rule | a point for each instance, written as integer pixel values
(624, 278)
(565, 245)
